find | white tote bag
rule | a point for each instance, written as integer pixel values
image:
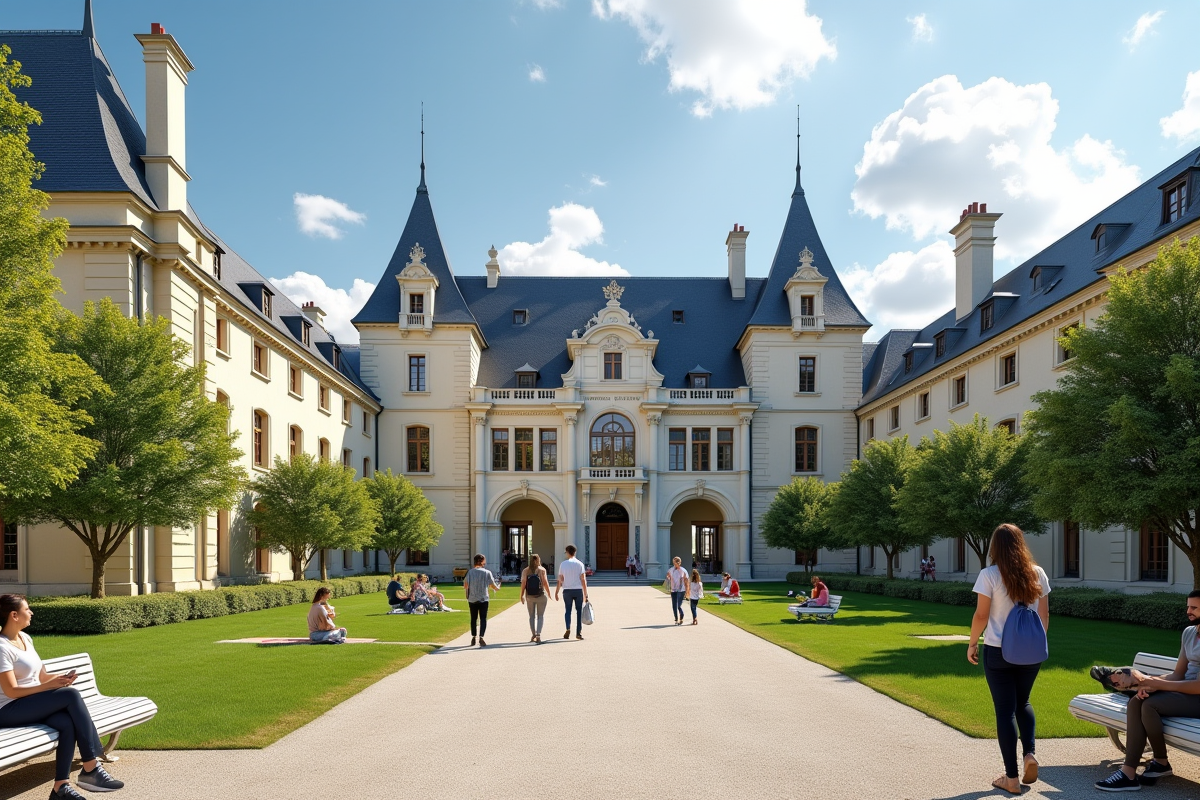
(587, 615)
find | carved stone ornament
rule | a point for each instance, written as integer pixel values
(700, 488)
(612, 493)
(806, 271)
(524, 488)
(613, 292)
(416, 256)
(613, 342)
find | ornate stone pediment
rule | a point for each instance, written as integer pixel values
(416, 268)
(806, 271)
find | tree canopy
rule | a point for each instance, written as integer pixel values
(864, 510)
(406, 520)
(1118, 441)
(40, 422)
(307, 506)
(967, 481)
(798, 518)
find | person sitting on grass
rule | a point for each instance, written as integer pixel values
(820, 594)
(397, 597)
(321, 629)
(435, 597)
(418, 595)
(729, 586)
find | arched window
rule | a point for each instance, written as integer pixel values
(612, 442)
(418, 449)
(260, 439)
(806, 449)
(295, 442)
(323, 449)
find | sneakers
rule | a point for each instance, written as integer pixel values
(1157, 769)
(98, 780)
(65, 792)
(1119, 782)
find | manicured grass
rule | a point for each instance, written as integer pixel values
(220, 696)
(872, 641)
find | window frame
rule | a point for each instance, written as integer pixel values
(894, 418)
(522, 449)
(701, 441)
(987, 316)
(366, 422)
(1061, 354)
(923, 401)
(547, 446)
(295, 381)
(628, 437)
(526, 380)
(295, 442)
(520, 316)
(724, 450)
(1179, 190)
(1004, 362)
(869, 430)
(678, 316)
(1072, 537)
(257, 348)
(418, 450)
(223, 335)
(500, 450)
(347, 411)
(305, 332)
(954, 384)
(812, 448)
(1154, 548)
(366, 471)
(418, 381)
(800, 374)
(260, 439)
(416, 303)
(10, 546)
(323, 393)
(324, 450)
(614, 366)
(677, 450)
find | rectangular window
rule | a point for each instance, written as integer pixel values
(347, 408)
(1070, 549)
(1174, 201)
(525, 380)
(612, 366)
(677, 316)
(366, 473)
(958, 390)
(908, 362)
(266, 302)
(366, 422)
(986, 317)
(923, 405)
(259, 361)
(416, 304)
(295, 442)
(306, 332)
(416, 373)
(870, 558)
(677, 449)
(1062, 354)
(295, 383)
(1008, 369)
(1009, 425)
(323, 398)
(870, 429)
(418, 449)
(417, 558)
(724, 449)
(893, 418)
(9, 545)
(806, 449)
(960, 554)
(699, 381)
(222, 335)
(323, 449)
(701, 442)
(1154, 553)
(939, 345)
(807, 305)
(549, 454)
(808, 374)
(500, 450)
(523, 449)
(347, 454)
(260, 439)
(520, 316)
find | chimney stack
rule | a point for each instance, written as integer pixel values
(493, 268)
(313, 313)
(166, 153)
(974, 241)
(735, 247)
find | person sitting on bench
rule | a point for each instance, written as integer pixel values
(729, 586)
(397, 597)
(435, 597)
(321, 629)
(1173, 695)
(631, 566)
(820, 594)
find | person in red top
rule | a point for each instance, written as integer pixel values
(820, 593)
(729, 586)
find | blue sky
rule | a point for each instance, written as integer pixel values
(583, 137)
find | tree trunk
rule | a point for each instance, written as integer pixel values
(1194, 557)
(392, 559)
(98, 563)
(324, 567)
(888, 555)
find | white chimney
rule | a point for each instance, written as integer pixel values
(313, 313)
(735, 246)
(166, 153)
(493, 268)
(973, 245)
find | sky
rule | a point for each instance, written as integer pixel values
(627, 137)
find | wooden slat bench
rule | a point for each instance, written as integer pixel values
(823, 613)
(1108, 710)
(722, 599)
(110, 714)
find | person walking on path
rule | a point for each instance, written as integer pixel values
(572, 582)
(479, 584)
(695, 594)
(32, 696)
(321, 615)
(535, 594)
(1012, 578)
(677, 582)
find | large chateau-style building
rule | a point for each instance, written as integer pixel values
(646, 416)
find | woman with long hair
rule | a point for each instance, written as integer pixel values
(32, 696)
(435, 597)
(1012, 578)
(695, 594)
(321, 615)
(535, 594)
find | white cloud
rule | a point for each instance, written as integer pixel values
(596, 180)
(1184, 124)
(907, 290)
(537, 74)
(1142, 28)
(572, 227)
(735, 53)
(339, 305)
(949, 146)
(317, 215)
(547, 4)
(922, 31)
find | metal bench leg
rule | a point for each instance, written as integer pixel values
(107, 756)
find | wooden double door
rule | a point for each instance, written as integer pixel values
(612, 545)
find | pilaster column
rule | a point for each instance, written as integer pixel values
(652, 563)
(744, 565)
(478, 543)
(570, 477)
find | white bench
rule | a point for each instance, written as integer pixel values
(825, 613)
(1108, 710)
(723, 599)
(110, 714)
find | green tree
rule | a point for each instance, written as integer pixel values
(40, 424)
(165, 456)
(966, 482)
(864, 511)
(1118, 441)
(798, 519)
(307, 506)
(405, 516)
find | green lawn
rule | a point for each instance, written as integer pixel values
(216, 696)
(872, 640)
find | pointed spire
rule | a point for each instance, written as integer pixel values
(799, 189)
(89, 30)
(422, 188)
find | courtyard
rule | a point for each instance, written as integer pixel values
(640, 708)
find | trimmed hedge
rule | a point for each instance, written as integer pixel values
(1158, 610)
(112, 614)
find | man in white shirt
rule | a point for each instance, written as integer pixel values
(677, 578)
(572, 583)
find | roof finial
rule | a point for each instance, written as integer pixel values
(799, 190)
(89, 30)
(422, 186)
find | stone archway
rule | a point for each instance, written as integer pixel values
(526, 527)
(698, 535)
(612, 537)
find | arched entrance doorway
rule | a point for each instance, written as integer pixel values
(526, 527)
(697, 535)
(612, 536)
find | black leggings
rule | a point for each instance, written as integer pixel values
(1010, 685)
(63, 710)
(478, 616)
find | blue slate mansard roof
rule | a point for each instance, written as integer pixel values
(91, 141)
(1074, 263)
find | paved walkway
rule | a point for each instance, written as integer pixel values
(640, 709)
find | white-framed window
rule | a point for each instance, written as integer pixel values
(1061, 354)
(347, 409)
(922, 406)
(894, 418)
(223, 336)
(260, 359)
(807, 383)
(323, 398)
(295, 381)
(807, 448)
(1006, 370)
(260, 425)
(366, 421)
(613, 367)
(295, 442)
(869, 430)
(416, 373)
(958, 390)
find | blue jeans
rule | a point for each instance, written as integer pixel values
(335, 636)
(1010, 685)
(64, 711)
(574, 596)
(694, 604)
(677, 604)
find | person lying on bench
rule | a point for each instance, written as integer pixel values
(397, 597)
(820, 594)
(321, 629)
(729, 586)
(1174, 695)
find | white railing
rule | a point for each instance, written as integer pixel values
(807, 321)
(521, 394)
(611, 473)
(703, 394)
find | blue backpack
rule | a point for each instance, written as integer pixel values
(1024, 637)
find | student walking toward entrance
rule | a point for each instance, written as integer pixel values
(572, 582)
(677, 582)
(478, 585)
(695, 594)
(535, 593)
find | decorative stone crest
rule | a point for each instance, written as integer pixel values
(524, 488)
(613, 342)
(613, 292)
(806, 271)
(700, 488)
(416, 256)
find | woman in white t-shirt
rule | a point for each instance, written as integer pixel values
(695, 593)
(32, 696)
(1013, 578)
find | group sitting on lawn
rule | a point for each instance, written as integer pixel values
(421, 596)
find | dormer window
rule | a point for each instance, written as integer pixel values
(337, 358)
(908, 362)
(1037, 273)
(677, 316)
(526, 380)
(416, 304)
(306, 332)
(1174, 200)
(699, 377)
(520, 316)
(939, 345)
(987, 317)
(266, 301)
(217, 263)
(807, 305)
